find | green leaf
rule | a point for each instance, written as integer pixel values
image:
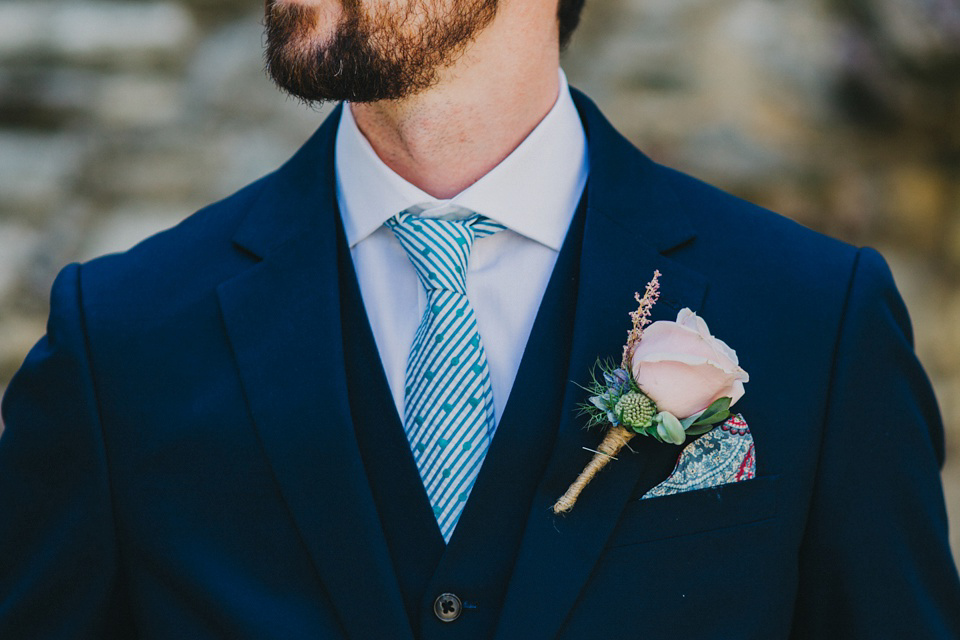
(669, 428)
(720, 407)
(661, 433)
(696, 431)
(689, 420)
(720, 417)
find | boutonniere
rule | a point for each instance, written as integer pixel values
(674, 380)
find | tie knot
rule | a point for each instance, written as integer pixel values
(440, 249)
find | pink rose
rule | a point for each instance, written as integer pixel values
(683, 368)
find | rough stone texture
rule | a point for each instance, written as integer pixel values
(111, 33)
(119, 118)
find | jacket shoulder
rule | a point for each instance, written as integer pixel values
(759, 249)
(190, 257)
(752, 227)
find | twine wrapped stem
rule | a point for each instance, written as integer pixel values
(613, 442)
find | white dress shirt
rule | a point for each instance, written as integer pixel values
(534, 192)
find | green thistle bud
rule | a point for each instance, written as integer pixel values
(635, 410)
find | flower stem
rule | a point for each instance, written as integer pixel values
(613, 442)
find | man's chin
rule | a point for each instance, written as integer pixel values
(325, 50)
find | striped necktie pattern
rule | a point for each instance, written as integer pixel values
(448, 400)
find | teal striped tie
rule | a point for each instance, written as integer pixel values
(448, 401)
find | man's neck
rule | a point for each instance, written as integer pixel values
(446, 138)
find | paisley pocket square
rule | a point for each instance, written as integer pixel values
(723, 455)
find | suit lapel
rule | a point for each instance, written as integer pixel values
(632, 221)
(283, 320)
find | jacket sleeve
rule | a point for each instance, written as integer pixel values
(59, 562)
(875, 561)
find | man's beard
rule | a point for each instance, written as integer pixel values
(374, 54)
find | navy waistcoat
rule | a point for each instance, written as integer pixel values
(478, 562)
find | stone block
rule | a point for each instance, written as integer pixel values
(18, 242)
(917, 201)
(37, 171)
(119, 33)
(139, 101)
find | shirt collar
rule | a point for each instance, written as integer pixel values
(534, 191)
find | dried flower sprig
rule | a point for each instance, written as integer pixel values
(640, 317)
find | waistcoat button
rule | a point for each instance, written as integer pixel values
(447, 607)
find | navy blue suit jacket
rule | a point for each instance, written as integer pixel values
(179, 459)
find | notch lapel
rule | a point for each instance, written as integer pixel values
(282, 317)
(632, 221)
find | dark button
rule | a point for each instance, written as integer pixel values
(447, 607)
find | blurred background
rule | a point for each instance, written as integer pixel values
(117, 119)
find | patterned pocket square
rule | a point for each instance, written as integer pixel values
(721, 456)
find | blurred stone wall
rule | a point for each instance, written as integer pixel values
(119, 118)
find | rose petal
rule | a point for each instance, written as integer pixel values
(669, 337)
(682, 389)
(691, 360)
(683, 368)
(689, 320)
(725, 350)
(685, 318)
(737, 391)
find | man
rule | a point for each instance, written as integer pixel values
(341, 402)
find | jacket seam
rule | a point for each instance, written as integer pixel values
(828, 399)
(88, 350)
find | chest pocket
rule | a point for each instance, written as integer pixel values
(693, 512)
